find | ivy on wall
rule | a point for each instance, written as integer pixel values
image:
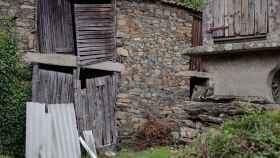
(15, 89)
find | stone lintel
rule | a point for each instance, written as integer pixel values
(230, 48)
(194, 74)
(70, 61)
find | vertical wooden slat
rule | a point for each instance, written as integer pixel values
(219, 17)
(261, 18)
(35, 82)
(237, 17)
(244, 17)
(195, 62)
(229, 18)
(251, 17)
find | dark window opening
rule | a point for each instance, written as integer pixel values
(62, 69)
(89, 74)
(196, 81)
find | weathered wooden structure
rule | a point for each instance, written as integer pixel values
(76, 62)
(239, 55)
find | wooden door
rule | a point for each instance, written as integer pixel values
(51, 87)
(233, 18)
(95, 108)
(55, 26)
(95, 32)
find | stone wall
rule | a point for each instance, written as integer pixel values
(24, 11)
(153, 35)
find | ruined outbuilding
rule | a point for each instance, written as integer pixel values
(240, 51)
(76, 62)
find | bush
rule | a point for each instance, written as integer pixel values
(14, 91)
(253, 136)
(196, 4)
(153, 133)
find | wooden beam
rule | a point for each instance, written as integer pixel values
(70, 61)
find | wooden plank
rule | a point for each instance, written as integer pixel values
(97, 46)
(51, 59)
(87, 148)
(261, 19)
(244, 17)
(219, 17)
(89, 9)
(94, 49)
(89, 139)
(89, 57)
(94, 13)
(105, 36)
(56, 59)
(93, 5)
(229, 21)
(94, 33)
(93, 17)
(237, 17)
(94, 61)
(251, 17)
(108, 40)
(35, 82)
(96, 52)
(86, 28)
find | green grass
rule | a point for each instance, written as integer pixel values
(160, 152)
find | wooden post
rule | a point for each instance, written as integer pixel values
(35, 80)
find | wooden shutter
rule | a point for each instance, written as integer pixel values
(196, 61)
(55, 26)
(232, 18)
(95, 32)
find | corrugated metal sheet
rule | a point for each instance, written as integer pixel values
(65, 133)
(53, 134)
(35, 113)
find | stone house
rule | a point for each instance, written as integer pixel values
(240, 49)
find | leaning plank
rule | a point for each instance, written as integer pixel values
(70, 61)
(88, 135)
(65, 139)
(34, 124)
(87, 148)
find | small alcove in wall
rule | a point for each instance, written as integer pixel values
(275, 86)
